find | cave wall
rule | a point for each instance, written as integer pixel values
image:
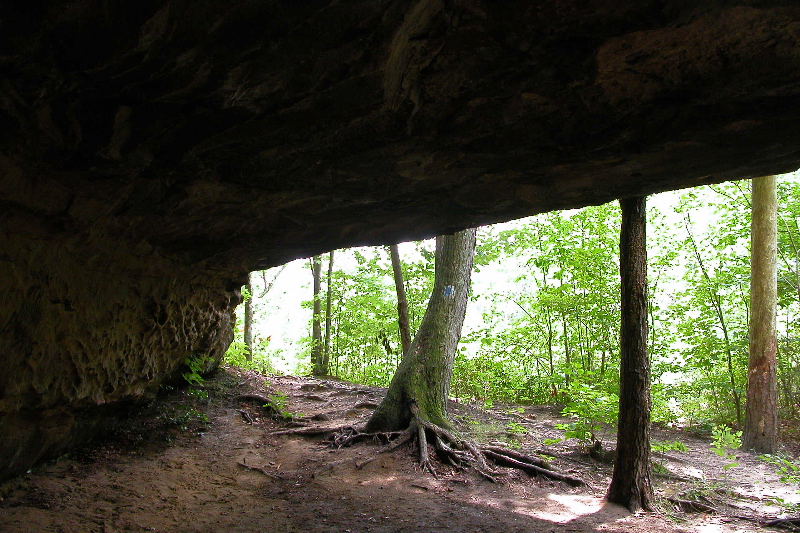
(90, 324)
(153, 152)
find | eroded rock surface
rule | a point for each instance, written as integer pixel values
(153, 152)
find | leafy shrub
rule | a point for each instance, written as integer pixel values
(658, 446)
(591, 411)
(236, 355)
(724, 440)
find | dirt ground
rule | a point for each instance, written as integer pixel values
(193, 464)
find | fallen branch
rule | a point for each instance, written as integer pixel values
(307, 431)
(691, 506)
(792, 524)
(519, 456)
(252, 398)
(261, 470)
(504, 460)
(246, 416)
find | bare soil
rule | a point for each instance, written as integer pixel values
(169, 470)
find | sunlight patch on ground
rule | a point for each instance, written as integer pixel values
(381, 481)
(572, 506)
(711, 525)
(693, 472)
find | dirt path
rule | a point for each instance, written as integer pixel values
(231, 474)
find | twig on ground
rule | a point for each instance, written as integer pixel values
(259, 469)
(307, 431)
(691, 506)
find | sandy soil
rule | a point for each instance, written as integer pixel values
(170, 471)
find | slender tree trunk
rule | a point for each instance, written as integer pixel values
(402, 302)
(761, 416)
(716, 302)
(316, 320)
(422, 381)
(630, 482)
(248, 319)
(603, 363)
(567, 354)
(326, 354)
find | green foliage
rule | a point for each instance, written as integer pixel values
(659, 468)
(724, 440)
(246, 294)
(196, 365)
(236, 355)
(591, 411)
(551, 336)
(185, 417)
(515, 428)
(788, 470)
(278, 403)
(365, 346)
(665, 446)
(198, 394)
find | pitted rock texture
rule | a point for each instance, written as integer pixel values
(153, 152)
(90, 322)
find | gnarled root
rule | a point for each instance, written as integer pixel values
(450, 449)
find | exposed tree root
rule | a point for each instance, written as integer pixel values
(313, 431)
(691, 506)
(268, 404)
(435, 441)
(792, 524)
(451, 449)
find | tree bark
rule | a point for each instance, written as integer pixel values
(421, 385)
(630, 483)
(248, 319)
(326, 354)
(317, 368)
(402, 301)
(761, 415)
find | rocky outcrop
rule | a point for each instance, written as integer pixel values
(88, 322)
(153, 152)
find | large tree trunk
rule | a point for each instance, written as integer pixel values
(402, 301)
(421, 384)
(317, 368)
(761, 416)
(630, 483)
(326, 355)
(248, 319)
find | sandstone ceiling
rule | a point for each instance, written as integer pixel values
(153, 152)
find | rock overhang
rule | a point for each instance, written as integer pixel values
(153, 152)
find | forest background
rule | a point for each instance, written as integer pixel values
(542, 325)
